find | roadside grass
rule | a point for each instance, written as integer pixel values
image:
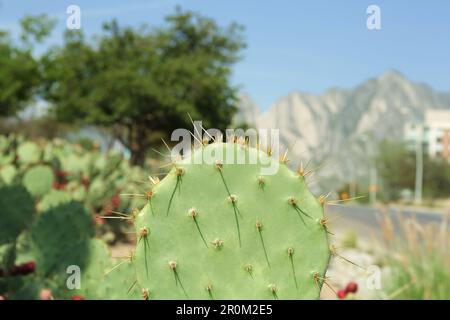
(349, 239)
(418, 259)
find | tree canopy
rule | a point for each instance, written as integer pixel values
(20, 75)
(142, 83)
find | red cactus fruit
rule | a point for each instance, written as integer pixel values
(59, 186)
(341, 294)
(28, 267)
(61, 174)
(351, 287)
(23, 269)
(115, 201)
(77, 298)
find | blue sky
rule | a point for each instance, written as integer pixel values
(309, 46)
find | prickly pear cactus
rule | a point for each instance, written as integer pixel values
(28, 153)
(16, 212)
(119, 283)
(8, 174)
(53, 199)
(60, 237)
(38, 180)
(55, 235)
(224, 231)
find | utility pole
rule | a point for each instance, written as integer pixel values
(373, 185)
(352, 183)
(352, 188)
(419, 168)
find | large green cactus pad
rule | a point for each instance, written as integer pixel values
(56, 231)
(8, 173)
(7, 255)
(16, 210)
(28, 153)
(223, 231)
(92, 257)
(53, 198)
(38, 180)
(119, 283)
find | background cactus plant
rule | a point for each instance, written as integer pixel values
(223, 231)
(50, 242)
(17, 209)
(56, 171)
(39, 180)
(47, 219)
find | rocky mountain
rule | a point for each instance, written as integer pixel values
(342, 127)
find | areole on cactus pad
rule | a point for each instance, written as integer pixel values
(223, 231)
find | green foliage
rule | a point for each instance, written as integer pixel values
(36, 28)
(427, 279)
(145, 82)
(419, 262)
(19, 78)
(20, 74)
(397, 166)
(222, 231)
(436, 178)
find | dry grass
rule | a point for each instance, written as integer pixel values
(418, 258)
(349, 240)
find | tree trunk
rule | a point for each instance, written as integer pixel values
(137, 157)
(138, 144)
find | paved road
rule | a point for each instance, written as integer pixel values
(365, 221)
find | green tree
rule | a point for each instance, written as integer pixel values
(396, 165)
(143, 83)
(35, 29)
(19, 71)
(436, 178)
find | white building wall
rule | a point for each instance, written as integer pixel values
(431, 132)
(437, 121)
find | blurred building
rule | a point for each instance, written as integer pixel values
(433, 133)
